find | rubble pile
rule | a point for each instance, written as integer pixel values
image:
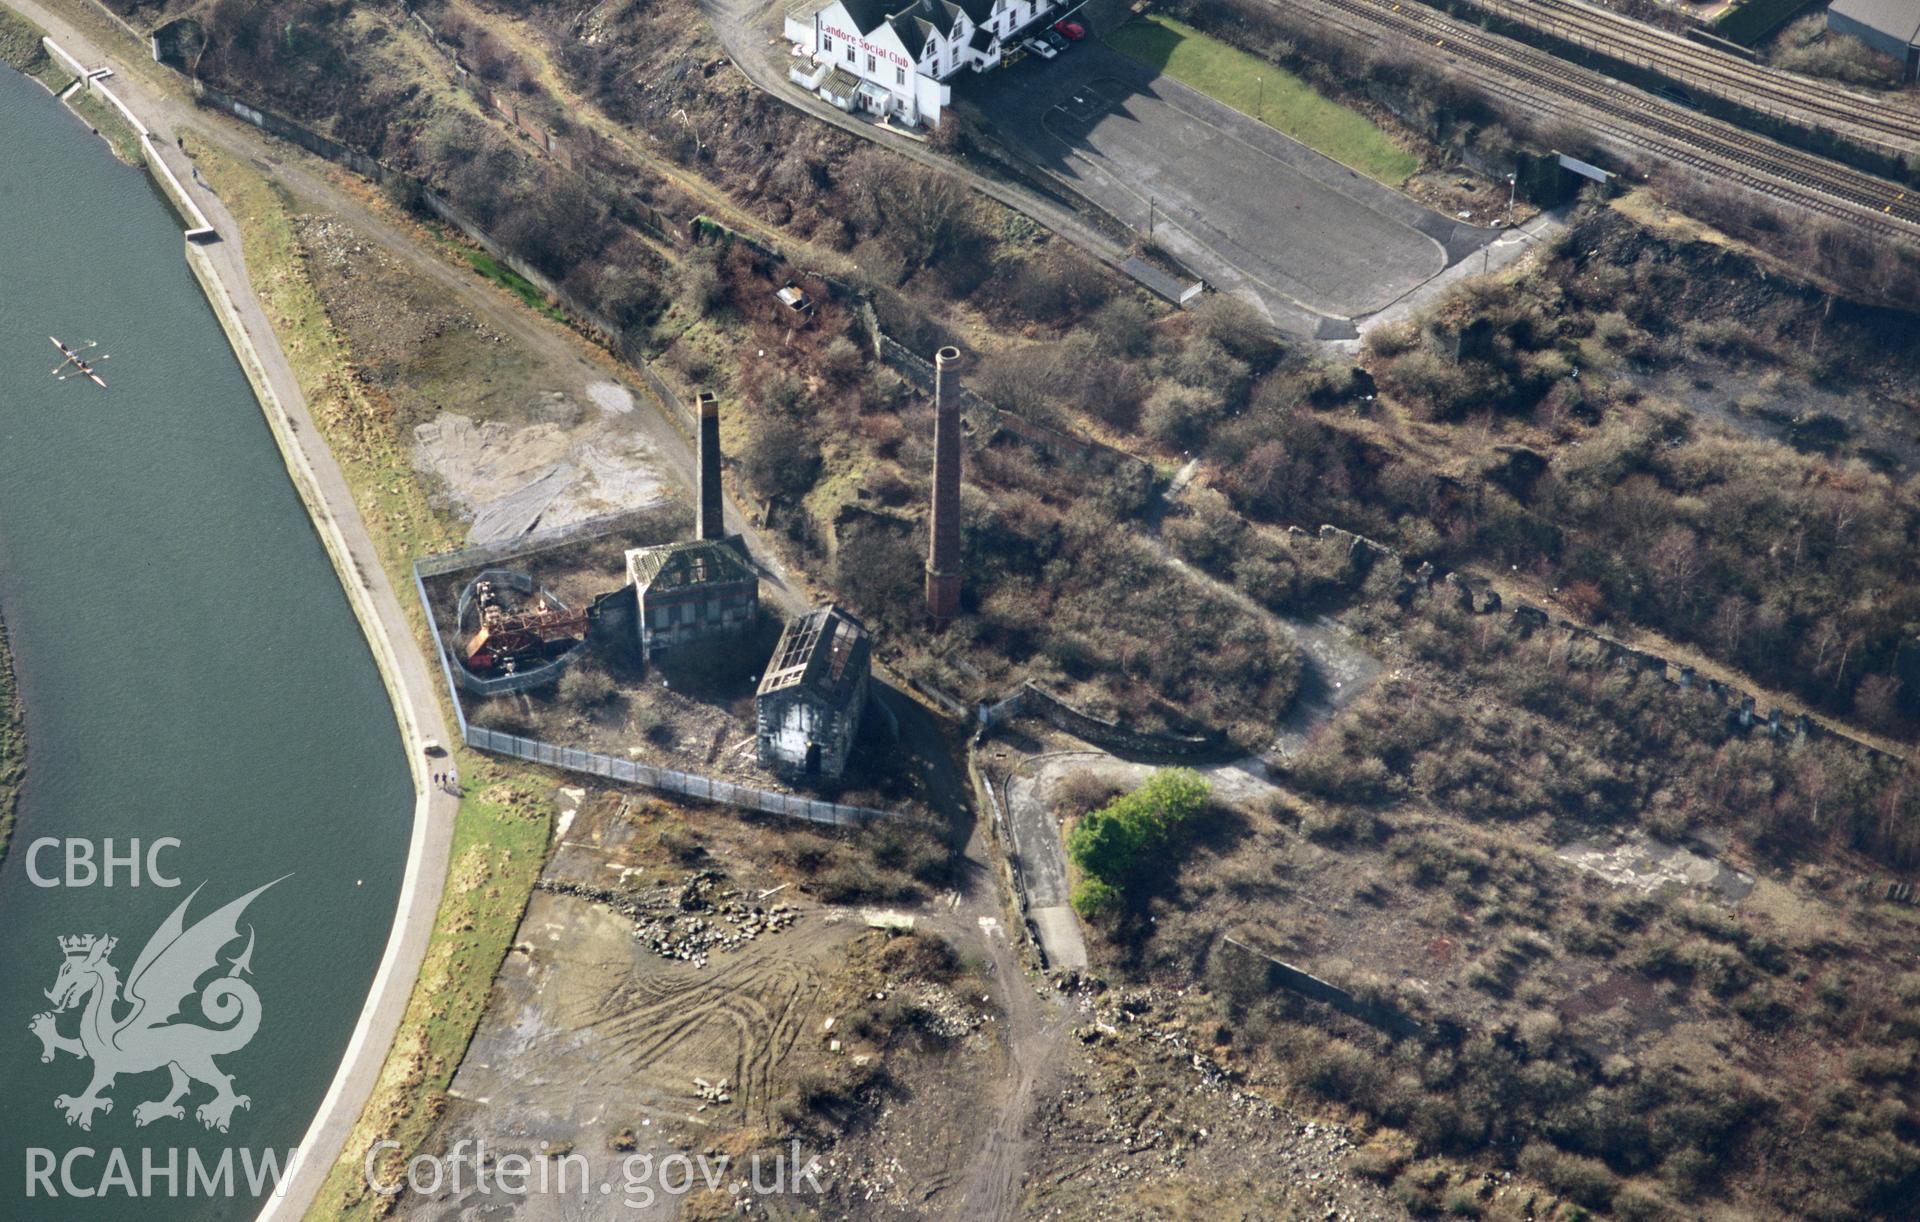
(690, 921)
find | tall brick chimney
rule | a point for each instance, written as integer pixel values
(943, 547)
(712, 516)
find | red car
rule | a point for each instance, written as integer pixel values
(1072, 29)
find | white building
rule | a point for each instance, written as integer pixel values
(894, 57)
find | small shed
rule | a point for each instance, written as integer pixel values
(815, 689)
(840, 87)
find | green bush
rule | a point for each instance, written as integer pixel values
(1112, 845)
(1093, 898)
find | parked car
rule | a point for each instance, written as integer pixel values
(1054, 40)
(1039, 48)
(1072, 29)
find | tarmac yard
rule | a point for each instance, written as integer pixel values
(1244, 206)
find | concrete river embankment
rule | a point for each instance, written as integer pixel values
(192, 673)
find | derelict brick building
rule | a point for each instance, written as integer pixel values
(691, 591)
(700, 588)
(815, 689)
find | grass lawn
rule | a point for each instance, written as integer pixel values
(1271, 94)
(513, 282)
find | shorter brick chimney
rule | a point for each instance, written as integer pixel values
(712, 524)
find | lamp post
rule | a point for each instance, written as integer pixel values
(1513, 191)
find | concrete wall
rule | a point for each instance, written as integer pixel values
(1285, 976)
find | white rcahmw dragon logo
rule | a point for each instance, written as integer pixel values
(132, 1034)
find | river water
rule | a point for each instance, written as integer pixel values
(190, 669)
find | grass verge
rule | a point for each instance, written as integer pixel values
(514, 283)
(1265, 91)
(21, 49)
(111, 124)
(500, 834)
(499, 843)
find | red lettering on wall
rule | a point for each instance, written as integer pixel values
(892, 57)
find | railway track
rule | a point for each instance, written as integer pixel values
(1629, 119)
(1865, 120)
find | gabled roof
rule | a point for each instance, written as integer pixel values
(691, 562)
(914, 20)
(825, 651)
(868, 15)
(1898, 18)
(913, 32)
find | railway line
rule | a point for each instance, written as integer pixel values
(1858, 117)
(1628, 119)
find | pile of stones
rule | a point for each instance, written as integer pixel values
(691, 921)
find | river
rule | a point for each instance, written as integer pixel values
(190, 669)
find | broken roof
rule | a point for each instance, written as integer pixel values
(690, 562)
(825, 651)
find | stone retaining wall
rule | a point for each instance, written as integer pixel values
(1281, 975)
(1030, 699)
(1476, 596)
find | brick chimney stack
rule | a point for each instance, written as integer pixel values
(943, 548)
(712, 523)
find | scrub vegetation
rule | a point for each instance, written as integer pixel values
(1115, 844)
(1621, 1040)
(1808, 46)
(1485, 844)
(1267, 92)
